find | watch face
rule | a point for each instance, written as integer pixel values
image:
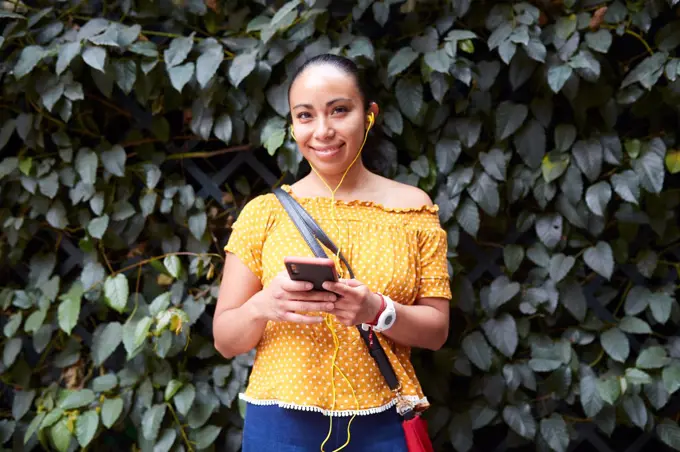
(389, 319)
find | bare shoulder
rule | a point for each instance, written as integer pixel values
(405, 196)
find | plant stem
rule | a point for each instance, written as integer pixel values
(208, 154)
(181, 428)
(641, 39)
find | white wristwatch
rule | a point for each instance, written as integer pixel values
(386, 318)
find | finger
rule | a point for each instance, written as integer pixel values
(307, 306)
(344, 318)
(301, 318)
(296, 286)
(351, 282)
(315, 295)
(344, 306)
(338, 288)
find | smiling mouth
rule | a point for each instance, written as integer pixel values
(327, 151)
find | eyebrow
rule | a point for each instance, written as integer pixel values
(328, 104)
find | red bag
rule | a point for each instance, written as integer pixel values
(417, 437)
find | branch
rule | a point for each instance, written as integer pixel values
(208, 154)
(181, 428)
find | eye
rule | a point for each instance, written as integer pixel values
(303, 115)
(340, 110)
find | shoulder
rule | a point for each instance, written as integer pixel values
(406, 196)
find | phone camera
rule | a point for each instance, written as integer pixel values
(294, 269)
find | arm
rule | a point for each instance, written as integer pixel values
(237, 325)
(244, 307)
(424, 324)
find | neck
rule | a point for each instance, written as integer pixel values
(353, 180)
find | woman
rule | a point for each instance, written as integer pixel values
(311, 366)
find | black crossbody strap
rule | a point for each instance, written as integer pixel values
(311, 231)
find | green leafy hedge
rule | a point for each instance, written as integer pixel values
(545, 130)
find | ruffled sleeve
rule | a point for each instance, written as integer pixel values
(249, 232)
(434, 274)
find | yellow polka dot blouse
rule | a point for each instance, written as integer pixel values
(398, 252)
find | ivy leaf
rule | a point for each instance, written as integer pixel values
(558, 76)
(105, 340)
(649, 166)
(661, 305)
(484, 191)
(447, 152)
(600, 258)
(69, 308)
(173, 265)
(501, 291)
(673, 161)
(600, 40)
(647, 72)
(588, 155)
(530, 142)
(653, 357)
(178, 50)
(633, 325)
(554, 164)
(111, 410)
(28, 59)
(554, 431)
(61, 435)
(609, 389)
(205, 436)
(409, 97)
(180, 75)
(636, 410)
(502, 333)
(97, 226)
(616, 344)
(209, 61)
(116, 292)
(520, 420)
(401, 60)
(671, 377)
(241, 66)
(509, 117)
(468, 217)
(513, 255)
(565, 134)
(184, 399)
(549, 230)
(86, 427)
(114, 160)
(77, 399)
(223, 128)
(591, 401)
(95, 57)
(669, 432)
(152, 420)
(22, 402)
(477, 350)
(598, 196)
(560, 265)
(627, 186)
(273, 134)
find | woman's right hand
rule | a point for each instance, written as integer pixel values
(287, 300)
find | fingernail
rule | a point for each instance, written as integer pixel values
(309, 286)
(332, 298)
(330, 306)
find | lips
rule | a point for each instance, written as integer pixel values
(327, 151)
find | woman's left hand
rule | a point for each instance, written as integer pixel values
(356, 304)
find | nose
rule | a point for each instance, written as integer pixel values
(323, 129)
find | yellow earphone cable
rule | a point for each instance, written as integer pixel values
(327, 319)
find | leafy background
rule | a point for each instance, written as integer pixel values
(545, 130)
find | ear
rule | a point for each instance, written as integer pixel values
(372, 108)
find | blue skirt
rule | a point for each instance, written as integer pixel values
(276, 429)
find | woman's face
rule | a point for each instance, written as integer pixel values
(329, 118)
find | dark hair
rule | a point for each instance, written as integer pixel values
(371, 153)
